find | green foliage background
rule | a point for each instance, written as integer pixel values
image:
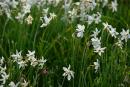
(57, 45)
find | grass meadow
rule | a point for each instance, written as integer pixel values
(64, 43)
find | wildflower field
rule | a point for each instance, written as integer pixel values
(64, 43)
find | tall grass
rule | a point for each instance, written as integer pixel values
(56, 44)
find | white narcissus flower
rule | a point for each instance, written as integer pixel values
(96, 42)
(68, 73)
(80, 34)
(105, 25)
(46, 21)
(99, 50)
(17, 57)
(97, 65)
(26, 9)
(22, 64)
(41, 62)
(90, 19)
(34, 62)
(30, 54)
(113, 32)
(114, 5)
(80, 30)
(53, 15)
(4, 76)
(95, 33)
(125, 35)
(12, 84)
(24, 84)
(31, 58)
(96, 18)
(29, 19)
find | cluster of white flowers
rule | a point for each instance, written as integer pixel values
(19, 59)
(3, 74)
(96, 18)
(46, 20)
(30, 57)
(22, 62)
(25, 9)
(88, 5)
(123, 35)
(80, 9)
(84, 9)
(113, 5)
(96, 42)
(6, 4)
(111, 30)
